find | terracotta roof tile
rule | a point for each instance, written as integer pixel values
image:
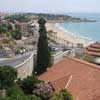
(61, 83)
(85, 82)
(93, 49)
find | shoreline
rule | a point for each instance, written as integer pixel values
(63, 34)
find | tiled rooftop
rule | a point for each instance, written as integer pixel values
(93, 49)
(61, 83)
(84, 78)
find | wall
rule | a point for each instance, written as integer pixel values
(25, 69)
(60, 55)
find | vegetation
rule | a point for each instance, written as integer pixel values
(44, 90)
(17, 17)
(34, 97)
(7, 76)
(60, 17)
(62, 95)
(28, 84)
(16, 34)
(15, 93)
(4, 28)
(27, 89)
(43, 53)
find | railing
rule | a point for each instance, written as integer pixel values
(25, 68)
(60, 55)
(31, 56)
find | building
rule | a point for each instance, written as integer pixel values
(93, 51)
(82, 79)
(23, 26)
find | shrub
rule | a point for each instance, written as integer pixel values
(7, 76)
(28, 84)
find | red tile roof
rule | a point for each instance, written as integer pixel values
(93, 49)
(95, 45)
(61, 83)
(85, 81)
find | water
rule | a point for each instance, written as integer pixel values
(94, 16)
(87, 30)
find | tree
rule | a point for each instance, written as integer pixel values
(43, 52)
(15, 93)
(3, 28)
(18, 17)
(7, 76)
(17, 34)
(62, 95)
(28, 84)
(33, 97)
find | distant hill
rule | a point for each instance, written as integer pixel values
(24, 17)
(60, 17)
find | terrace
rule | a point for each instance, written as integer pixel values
(83, 82)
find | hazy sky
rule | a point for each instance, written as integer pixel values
(50, 6)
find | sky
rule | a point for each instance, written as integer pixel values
(50, 6)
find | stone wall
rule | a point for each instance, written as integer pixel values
(60, 55)
(25, 69)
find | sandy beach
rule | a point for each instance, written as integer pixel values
(65, 35)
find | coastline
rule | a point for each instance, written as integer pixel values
(63, 34)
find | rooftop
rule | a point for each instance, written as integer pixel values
(93, 49)
(82, 78)
(61, 83)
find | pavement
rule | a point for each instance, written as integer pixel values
(15, 60)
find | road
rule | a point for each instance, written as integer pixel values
(16, 60)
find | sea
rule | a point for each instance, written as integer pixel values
(85, 30)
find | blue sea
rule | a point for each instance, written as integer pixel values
(87, 30)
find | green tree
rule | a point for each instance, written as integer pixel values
(28, 84)
(15, 93)
(43, 52)
(33, 97)
(62, 95)
(2, 98)
(17, 34)
(7, 76)
(3, 28)
(18, 17)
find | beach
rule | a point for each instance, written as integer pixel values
(64, 35)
